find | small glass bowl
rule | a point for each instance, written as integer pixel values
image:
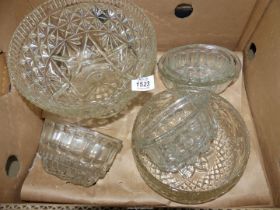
(202, 66)
(174, 128)
(75, 154)
(77, 58)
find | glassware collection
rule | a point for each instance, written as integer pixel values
(78, 58)
(194, 150)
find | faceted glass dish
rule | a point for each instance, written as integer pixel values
(76, 58)
(202, 66)
(213, 172)
(75, 154)
(174, 128)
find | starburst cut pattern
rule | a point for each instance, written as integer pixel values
(82, 54)
(77, 58)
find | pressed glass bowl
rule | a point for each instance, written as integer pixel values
(213, 171)
(76, 58)
(174, 128)
(75, 154)
(202, 66)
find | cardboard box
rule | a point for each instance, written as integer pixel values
(250, 26)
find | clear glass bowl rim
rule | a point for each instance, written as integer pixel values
(84, 129)
(170, 74)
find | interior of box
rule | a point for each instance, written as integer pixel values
(249, 26)
(124, 186)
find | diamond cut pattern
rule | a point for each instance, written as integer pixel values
(215, 168)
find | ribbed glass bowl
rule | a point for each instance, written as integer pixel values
(212, 171)
(202, 66)
(76, 154)
(76, 58)
(173, 129)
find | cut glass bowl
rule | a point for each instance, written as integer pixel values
(76, 58)
(211, 172)
(202, 66)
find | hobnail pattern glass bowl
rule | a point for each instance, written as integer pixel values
(213, 171)
(76, 58)
(202, 66)
(75, 154)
